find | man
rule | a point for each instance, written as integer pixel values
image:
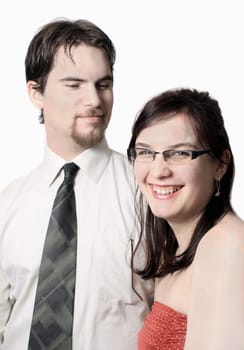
(69, 73)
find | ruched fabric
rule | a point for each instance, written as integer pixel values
(163, 329)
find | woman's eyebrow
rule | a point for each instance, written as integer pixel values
(177, 145)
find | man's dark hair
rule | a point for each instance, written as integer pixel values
(65, 33)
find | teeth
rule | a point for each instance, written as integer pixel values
(164, 191)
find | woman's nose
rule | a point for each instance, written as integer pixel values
(160, 168)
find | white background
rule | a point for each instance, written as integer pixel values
(160, 44)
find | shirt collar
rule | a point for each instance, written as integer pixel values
(92, 162)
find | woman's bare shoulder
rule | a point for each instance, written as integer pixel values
(226, 236)
(216, 303)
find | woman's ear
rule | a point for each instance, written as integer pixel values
(35, 95)
(223, 166)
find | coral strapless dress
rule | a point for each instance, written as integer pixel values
(163, 329)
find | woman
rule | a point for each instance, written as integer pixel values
(184, 167)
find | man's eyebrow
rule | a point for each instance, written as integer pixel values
(72, 79)
(107, 78)
(80, 80)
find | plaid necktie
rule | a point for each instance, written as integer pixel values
(52, 321)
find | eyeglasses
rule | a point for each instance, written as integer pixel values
(171, 156)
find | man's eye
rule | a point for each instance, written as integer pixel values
(103, 86)
(73, 86)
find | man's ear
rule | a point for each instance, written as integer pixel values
(223, 166)
(34, 94)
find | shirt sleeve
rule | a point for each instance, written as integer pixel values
(5, 304)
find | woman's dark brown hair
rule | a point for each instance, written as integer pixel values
(207, 121)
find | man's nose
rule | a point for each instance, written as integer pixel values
(91, 96)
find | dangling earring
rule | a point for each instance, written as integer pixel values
(217, 193)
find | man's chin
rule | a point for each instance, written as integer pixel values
(87, 141)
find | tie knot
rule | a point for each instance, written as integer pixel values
(70, 171)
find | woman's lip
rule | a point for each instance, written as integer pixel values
(165, 190)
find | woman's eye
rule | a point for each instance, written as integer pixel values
(180, 153)
(145, 152)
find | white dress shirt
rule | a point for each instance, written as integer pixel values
(108, 313)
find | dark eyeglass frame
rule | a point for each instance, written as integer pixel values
(131, 153)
